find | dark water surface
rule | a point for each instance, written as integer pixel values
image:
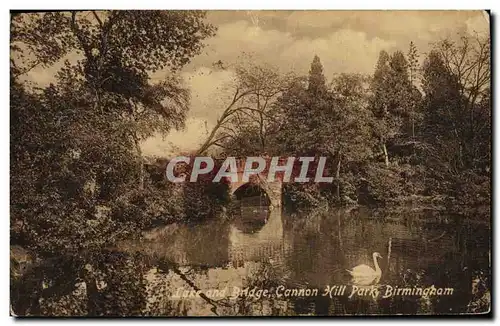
(301, 261)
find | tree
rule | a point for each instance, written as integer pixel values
(379, 100)
(317, 82)
(353, 129)
(335, 123)
(75, 158)
(413, 70)
(457, 120)
(457, 113)
(38, 40)
(256, 87)
(391, 98)
(106, 93)
(413, 62)
(468, 60)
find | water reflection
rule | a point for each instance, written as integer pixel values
(268, 249)
(251, 219)
(266, 244)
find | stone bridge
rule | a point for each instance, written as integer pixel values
(258, 183)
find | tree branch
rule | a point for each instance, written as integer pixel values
(78, 33)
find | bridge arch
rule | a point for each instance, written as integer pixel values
(272, 189)
(253, 190)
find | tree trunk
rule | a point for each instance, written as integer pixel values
(92, 292)
(261, 132)
(210, 138)
(227, 112)
(413, 123)
(339, 230)
(139, 162)
(337, 175)
(386, 156)
(137, 144)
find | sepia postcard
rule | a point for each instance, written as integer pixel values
(250, 163)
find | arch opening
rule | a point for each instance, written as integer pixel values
(252, 195)
(252, 208)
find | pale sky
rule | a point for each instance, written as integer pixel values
(345, 41)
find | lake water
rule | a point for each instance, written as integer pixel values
(301, 261)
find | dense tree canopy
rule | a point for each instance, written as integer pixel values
(406, 116)
(77, 178)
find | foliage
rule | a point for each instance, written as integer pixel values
(427, 125)
(77, 178)
(395, 100)
(317, 82)
(457, 105)
(186, 201)
(248, 117)
(79, 182)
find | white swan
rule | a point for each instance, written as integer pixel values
(364, 274)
